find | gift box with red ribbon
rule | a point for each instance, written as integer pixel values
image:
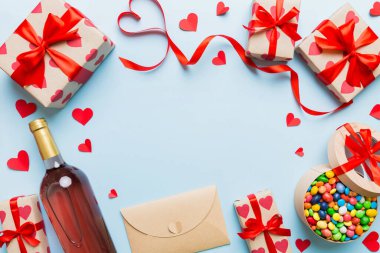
(344, 53)
(54, 52)
(262, 225)
(23, 229)
(273, 29)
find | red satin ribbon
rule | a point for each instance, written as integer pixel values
(264, 21)
(255, 226)
(32, 64)
(25, 232)
(362, 149)
(200, 50)
(361, 66)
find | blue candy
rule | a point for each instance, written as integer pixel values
(350, 207)
(341, 202)
(347, 191)
(374, 205)
(322, 214)
(340, 187)
(336, 196)
(324, 206)
(316, 198)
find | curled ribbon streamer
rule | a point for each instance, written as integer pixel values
(266, 22)
(361, 66)
(25, 232)
(200, 50)
(32, 63)
(361, 147)
(255, 226)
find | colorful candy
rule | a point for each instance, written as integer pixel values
(335, 212)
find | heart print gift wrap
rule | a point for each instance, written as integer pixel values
(343, 51)
(273, 29)
(54, 52)
(262, 225)
(23, 229)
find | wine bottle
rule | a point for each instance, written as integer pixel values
(69, 201)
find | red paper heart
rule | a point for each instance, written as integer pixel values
(302, 245)
(292, 121)
(243, 211)
(112, 194)
(37, 9)
(25, 109)
(352, 16)
(371, 241)
(346, 88)
(314, 49)
(67, 98)
(266, 202)
(282, 245)
(190, 23)
(24, 212)
(2, 216)
(20, 163)
(221, 9)
(85, 147)
(375, 11)
(82, 116)
(259, 250)
(57, 96)
(3, 49)
(300, 152)
(375, 112)
(220, 59)
(75, 43)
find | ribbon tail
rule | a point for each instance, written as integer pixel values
(269, 242)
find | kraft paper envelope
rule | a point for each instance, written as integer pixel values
(186, 223)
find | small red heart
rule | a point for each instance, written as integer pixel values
(15, 65)
(329, 64)
(314, 49)
(75, 43)
(52, 63)
(352, 16)
(37, 9)
(243, 211)
(220, 59)
(375, 112)
(25, 109)
(371, 242)
(255, 6)
(89, 23)
(67, 98)
(3, 49)
(92, 55)
(259, 250)
(375, 11)
(2, 216)
(57, 96)
(82, 116)
(282, 245)
(221, 9)
(269, 34)
(273, 11)
(266, 202)
(190, 23)
(20, 163)
(112, 194)
(85, 147)
(302, 245)
(101, 58)
(24, 212)
(300, 152)
(292, 121)
(347, 88)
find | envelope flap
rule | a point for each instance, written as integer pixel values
(172, 216)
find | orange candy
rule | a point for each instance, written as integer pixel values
(359, 230)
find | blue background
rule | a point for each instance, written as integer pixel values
(172, 130)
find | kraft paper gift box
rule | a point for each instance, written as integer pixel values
(257, 212)
(263, 42)
(54, 52)
(185, 223)
(333, 65)
(21, 218)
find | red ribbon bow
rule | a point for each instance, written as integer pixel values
(265, 21)
(32, 63)
(25, 232)
(255, 226)
(362, 149)
(342, 38)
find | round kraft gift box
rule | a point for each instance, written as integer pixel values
(339, 154)
(332, 210)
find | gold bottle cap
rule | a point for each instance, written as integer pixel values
(44, 140)
(37, 124)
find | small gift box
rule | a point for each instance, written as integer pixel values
(54, 52)
(273, 29)
(262, 224)
(23, 226)
(343, 52)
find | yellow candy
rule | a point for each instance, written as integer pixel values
(330, 174)
(336, 216)
(370, 212)
(331, 226)
(306, 212)
(371, 219)
(336, 207)
(353, 213)
(348, 223)
(316, 207)
(333, 191)
(314, 190)
(322, 224)
(316, 216)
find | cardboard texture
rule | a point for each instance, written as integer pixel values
(268, 208)
(30, 211)
(318, 59)
(89, 51)
(258, 44)
(338, 155)
(186, 223)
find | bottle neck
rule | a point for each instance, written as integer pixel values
(54, 162)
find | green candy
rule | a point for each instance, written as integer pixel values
(358, 206)
(337, 236)
(318, 232)
(335, 231)
(365, 228)
(314, 183)
(367, 204)
(343, 238)
(360, 214)
(311, 212)
(364, 220)
(323, 178)
(330, 211)
(339, 225)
